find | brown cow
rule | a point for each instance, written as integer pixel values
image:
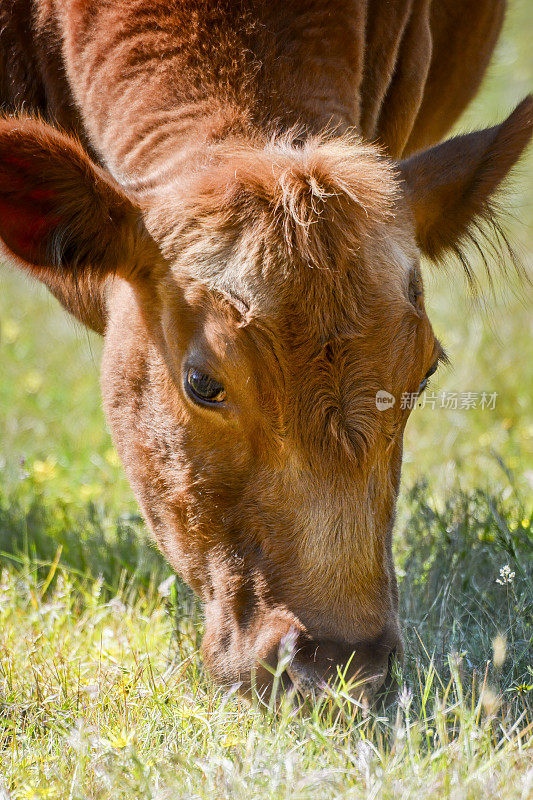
(228, 204)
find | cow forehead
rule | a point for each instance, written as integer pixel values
(327, 301)
(321, 319)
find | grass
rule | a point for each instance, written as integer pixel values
(103, 695)
(102, 690)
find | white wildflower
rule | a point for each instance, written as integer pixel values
(506, 575)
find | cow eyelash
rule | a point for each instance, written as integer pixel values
(424, 383)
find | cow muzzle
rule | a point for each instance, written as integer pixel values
(360, 668)
(291, 660)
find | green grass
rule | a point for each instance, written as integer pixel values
(103, 695)
(102, 690)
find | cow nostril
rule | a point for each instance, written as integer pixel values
(304, 679)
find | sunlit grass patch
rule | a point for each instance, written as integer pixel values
(93, 706)
(103, 693)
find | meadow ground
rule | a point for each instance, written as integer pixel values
(102, 692)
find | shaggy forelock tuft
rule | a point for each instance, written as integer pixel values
(315, 203)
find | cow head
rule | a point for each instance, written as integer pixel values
(252, 316)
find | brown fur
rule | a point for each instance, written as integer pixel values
(233, 202)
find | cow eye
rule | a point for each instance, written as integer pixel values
(203, 388)
(428, 375)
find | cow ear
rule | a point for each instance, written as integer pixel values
(450, 186)
(60, 214)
